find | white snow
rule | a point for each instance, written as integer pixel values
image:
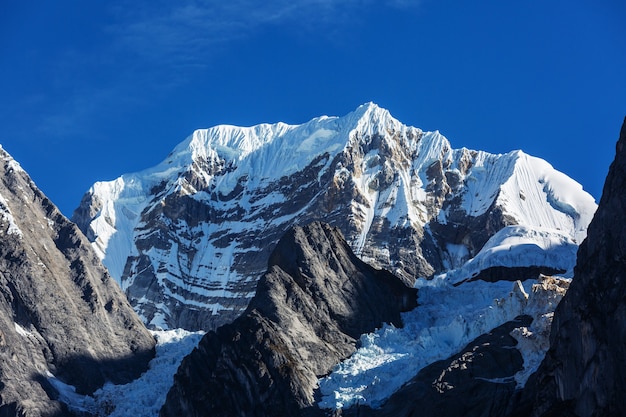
(144, 396)
(67, 394)
(7, 216)
(568, 207)
(528, 189)
(448, 317)
(22, 331)
(520, 246)
(123, 201)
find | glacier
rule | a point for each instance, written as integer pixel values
(452, 311)
(142, 397)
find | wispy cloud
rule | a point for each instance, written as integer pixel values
(157, 45)
(186, 33)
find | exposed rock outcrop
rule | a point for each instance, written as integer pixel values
(584, 372)
(498, 273)
(477, 382)
(62, 318)
(311, 306)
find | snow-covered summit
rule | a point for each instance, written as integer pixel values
(188, 238)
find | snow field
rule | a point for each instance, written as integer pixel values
(144, 396)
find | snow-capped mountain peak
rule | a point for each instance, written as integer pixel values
(188, 238)
(370, 118)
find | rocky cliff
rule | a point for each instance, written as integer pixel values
(310, 308)
(584, 372)
(64, 323)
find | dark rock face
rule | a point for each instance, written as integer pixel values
(584, 372)
(311, 306)
(476, 382)
(520, 273)
(60, 312)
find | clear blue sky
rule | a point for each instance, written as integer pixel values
(93, 89)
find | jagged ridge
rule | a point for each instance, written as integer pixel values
(189, 238)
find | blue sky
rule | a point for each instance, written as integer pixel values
(91, 90)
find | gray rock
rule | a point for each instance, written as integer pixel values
(60, 312)
(476, 382)
(584, 372)
(311, 306)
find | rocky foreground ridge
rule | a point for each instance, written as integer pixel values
(584, 372)
(63, 319)
(189, 238)
(311, 306)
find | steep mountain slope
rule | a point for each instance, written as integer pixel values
(189, 238)
(63, 320)
(462, 352)
(584, 372)
(448, 320)
(310, 308)
(475, 382)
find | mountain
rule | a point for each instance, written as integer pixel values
(450, 331)
(583, 373)
(318, 307)
(65, 325)
(189, 238)
(310, 308)
(477, 381)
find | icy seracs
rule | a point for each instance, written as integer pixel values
(454, 309)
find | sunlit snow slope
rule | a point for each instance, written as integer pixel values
(189, 238)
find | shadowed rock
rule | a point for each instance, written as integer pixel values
(310, 308)
(512, 273)
(584, 372)
(60, 312)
